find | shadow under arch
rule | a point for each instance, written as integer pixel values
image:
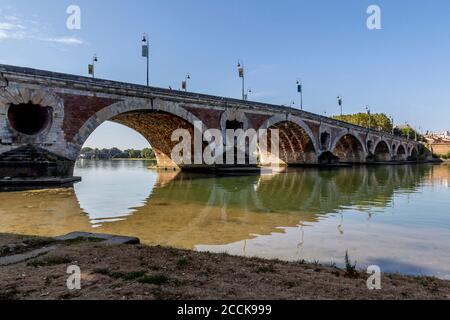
(349, 149)
(382, 151)
(414, 154)
(297, 144)
(401, 153)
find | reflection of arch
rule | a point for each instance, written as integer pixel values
(348, 148)
(155, 120)
(297, 142)
(382, 151)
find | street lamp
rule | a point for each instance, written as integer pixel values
(339, 100)
(91, 67)
(300, 90)
(241, 72)
(416, 132)
(393, 126)
(146, 53)
(246, 95)
(184, 83)
(368, 112)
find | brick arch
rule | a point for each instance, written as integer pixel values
(349, 148)
(290, 118)
(298, 145)
(414, 152)
(401, 154)
(154, 120)
(382, 151)
(343, 133)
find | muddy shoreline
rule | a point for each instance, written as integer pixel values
(117, 272)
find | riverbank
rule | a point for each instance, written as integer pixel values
(143, 272)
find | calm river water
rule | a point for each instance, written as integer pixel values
(397, 217)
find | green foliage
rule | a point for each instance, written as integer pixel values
(147, 153)
(377, 121)
(116, 153)
(445, 156)
(350, 268)
(408, 132)
(156, 279)
(49, 261)
(133, 154)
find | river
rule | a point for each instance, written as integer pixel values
(396, 217)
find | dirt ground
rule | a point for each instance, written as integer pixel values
(142, 272)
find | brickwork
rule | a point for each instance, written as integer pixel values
(78, 105)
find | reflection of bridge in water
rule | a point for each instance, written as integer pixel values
(185, 210)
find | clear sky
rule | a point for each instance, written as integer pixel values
(402, 70)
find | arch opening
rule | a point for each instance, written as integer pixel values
(28, 118)
(112, 140)
(156, 127)
(296, 147)
(401, 153)
(382, 152)
(349, 150)
(414, 154)
(324, 140)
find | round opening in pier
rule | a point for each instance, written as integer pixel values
(29, 119)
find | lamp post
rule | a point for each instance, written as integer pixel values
(91, 67)
(339, 100)
(393, 126)
(184, 83)
(246, 95)
(146, 54)
(241, 72)
(300, 90)
(368, 112)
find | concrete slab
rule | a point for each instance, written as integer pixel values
(106, 239)
(17, 258)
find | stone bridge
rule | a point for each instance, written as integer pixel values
(46, 117)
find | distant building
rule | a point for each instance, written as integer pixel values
(443, 137)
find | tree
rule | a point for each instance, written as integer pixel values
(147, 153)
(133, 154)
(377, 121)
(87, 153)
(87, 150)
(115, 153)
(408, 132)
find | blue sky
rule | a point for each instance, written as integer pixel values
(402, 70)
